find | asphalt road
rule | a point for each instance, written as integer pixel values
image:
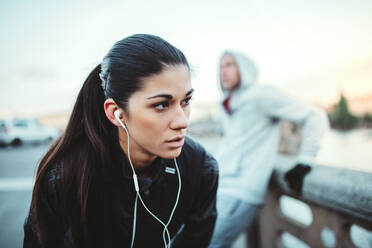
(17, 169)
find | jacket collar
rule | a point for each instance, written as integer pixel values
(123, 171)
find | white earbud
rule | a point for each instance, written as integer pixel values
(117, 114)
(117, 117)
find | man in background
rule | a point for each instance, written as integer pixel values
(251, 125)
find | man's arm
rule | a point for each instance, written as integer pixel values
(276, 103)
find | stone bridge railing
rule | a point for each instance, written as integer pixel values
(334, 202)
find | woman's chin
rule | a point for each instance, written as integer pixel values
(171, 154)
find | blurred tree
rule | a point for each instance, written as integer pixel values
(367, 117)
(341, 116)
(367, 120)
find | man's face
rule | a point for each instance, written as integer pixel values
(229, 73)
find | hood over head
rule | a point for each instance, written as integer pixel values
(247, 70)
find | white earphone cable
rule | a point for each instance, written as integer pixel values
(178, 196)
(134, 222)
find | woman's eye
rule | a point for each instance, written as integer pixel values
(187, 101)
(161, 106)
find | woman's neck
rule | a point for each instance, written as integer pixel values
(139, 157)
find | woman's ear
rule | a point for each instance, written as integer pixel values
(110, 107)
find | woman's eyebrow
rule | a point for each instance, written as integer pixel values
(169, 97)
(162, 96)
(189, 92)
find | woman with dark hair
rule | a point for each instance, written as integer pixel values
(123, 174)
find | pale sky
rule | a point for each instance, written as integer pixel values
(312, 49)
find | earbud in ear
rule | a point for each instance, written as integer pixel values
(117, 114)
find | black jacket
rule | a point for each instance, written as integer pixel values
(112, 216)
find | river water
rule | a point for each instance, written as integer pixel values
(351, 149)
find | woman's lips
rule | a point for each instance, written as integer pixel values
(176, 143)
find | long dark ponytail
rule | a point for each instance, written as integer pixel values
(81, 157)
(78, 155)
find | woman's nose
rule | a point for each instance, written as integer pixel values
(180, 119)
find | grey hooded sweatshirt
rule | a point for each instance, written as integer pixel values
(248, 150)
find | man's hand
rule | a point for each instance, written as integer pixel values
(295, 177)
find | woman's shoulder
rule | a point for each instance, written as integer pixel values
(193, 146)
(193, 149)
(197, 156)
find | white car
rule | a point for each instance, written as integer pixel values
(17, 131)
